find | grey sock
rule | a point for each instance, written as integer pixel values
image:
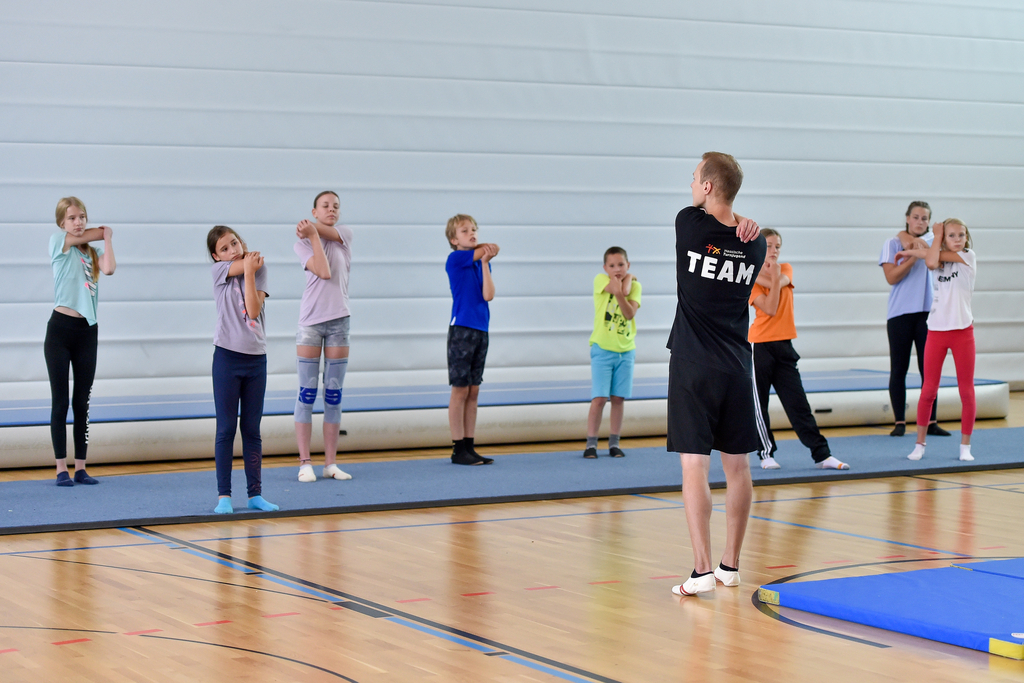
(591, 442)
(613, 441)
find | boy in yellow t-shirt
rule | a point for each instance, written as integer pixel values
(612, 347)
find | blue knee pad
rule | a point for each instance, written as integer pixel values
(309, 371)
(334, 378)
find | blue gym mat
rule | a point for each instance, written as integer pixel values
(980, 609)
(185, 497)
(190, 406)
(1010, 568)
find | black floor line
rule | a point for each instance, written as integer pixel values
(389, 611)
(184, 640)
(261, 589)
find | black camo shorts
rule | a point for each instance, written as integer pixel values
(467, 351)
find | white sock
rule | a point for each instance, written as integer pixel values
(965, 452)
(918, 452)
(831, 463)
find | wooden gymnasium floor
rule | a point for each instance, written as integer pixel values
(572, 590)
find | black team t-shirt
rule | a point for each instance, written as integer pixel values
(715, 272)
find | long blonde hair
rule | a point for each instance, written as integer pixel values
(968, 244)
(62, 209)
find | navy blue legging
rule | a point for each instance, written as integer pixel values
(70, 343)
(239, 379)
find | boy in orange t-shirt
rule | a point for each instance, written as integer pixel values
(775, 358)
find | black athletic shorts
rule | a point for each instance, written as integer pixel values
(467, 351)
(709, 409)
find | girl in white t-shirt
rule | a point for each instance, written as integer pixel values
(950, 326)
(324, 248)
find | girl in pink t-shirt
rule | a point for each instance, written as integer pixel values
(325, 252)
(950, 326)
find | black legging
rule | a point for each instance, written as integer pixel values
(905, 332)
(70, 342)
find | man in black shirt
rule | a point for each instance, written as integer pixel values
(711, 392)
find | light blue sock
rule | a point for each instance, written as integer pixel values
(257, 503)
(224, 506)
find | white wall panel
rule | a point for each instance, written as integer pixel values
(564, 127)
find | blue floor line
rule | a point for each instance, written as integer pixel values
(850, 535)
(546, 669)
(432, 524)
(299, 587)
(465, 642)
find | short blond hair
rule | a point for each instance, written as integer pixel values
(724, 173)
(453, 225)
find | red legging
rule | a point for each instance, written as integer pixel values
(961, 343)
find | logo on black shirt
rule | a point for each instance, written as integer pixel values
(729, 270)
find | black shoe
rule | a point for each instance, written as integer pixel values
(472, 451)
(590, 454)
(463, 458)
(899, 430)
(935, 430)
(616, 452)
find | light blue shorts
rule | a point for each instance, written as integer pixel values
(330, 333)
(611, 373)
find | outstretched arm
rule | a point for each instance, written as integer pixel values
(328, 233)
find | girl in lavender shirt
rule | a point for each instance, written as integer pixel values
(239, 362)
(324, 249)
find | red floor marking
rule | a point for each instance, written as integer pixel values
(282, 614)
(213, 623)
(139, 633)
(836, 562)
(72, 642)
(13, 649)
(337, 608)
(781, 566)
(473, 595)
(415, 600)
(890, 557)
(539, 588)
(670, 576)
(598, 583)
(993, 547)
(935, 552)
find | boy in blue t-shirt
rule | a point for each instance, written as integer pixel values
(469, 275)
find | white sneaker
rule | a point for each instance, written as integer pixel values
(831, 463)
(770, 464)
(335, 472)
(726, 577)
(692, 586)
(306, 474)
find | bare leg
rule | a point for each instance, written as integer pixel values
(469, 415)
(922, 431)
(697, 503)
(618, 405)
(457, 412)
(595, 415)
(739, 491)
